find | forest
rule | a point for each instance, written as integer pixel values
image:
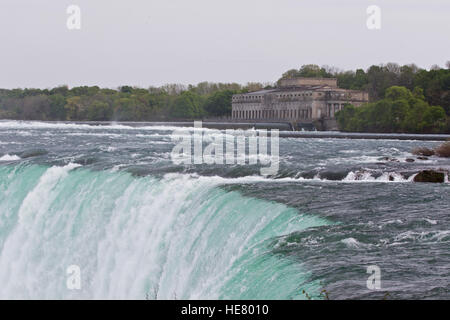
(400, 111)
(402, 99)
(169, 102)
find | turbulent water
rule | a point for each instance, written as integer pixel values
(110, 200)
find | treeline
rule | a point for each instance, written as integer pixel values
(377, 79)
(213, 100)
(400, 111)
(403, 98)
(127, 103)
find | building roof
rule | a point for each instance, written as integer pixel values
(332, 82)
(263, 91)
(292, 89)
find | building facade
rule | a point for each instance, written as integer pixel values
(296, 100)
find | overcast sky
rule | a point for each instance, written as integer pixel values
(153, 42)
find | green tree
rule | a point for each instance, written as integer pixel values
(187, 106)
(57, 110)
(434, 119)
(219, 103)
(99, 111)
(125, 109)
(72, 108)
(397, 92)
(400, 111)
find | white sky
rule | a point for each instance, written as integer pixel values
(153, 42)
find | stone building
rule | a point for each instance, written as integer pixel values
(296, 100)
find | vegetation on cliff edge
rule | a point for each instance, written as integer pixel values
(403, 99)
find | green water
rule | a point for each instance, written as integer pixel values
(142, 237)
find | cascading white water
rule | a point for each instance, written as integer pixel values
(178, 237)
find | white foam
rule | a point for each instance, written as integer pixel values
(424, 236)
(108, 148)
(350, 178)
(57, 125)
(430, 221)
(365, 176)
(352, 243)
(39, 195)
(8, 157)
(11, 124)
(137, 238)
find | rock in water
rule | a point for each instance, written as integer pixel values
(389, 159)
(443, 150)
(423, 152)
(410, 160)
(430, 176)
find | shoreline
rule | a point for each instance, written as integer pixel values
(285, 129)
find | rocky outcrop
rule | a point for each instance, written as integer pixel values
(430, 176)
(443, 150)
(389, 159)
(422, 151)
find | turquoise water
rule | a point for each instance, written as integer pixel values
(109, 200)
(141, 237)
